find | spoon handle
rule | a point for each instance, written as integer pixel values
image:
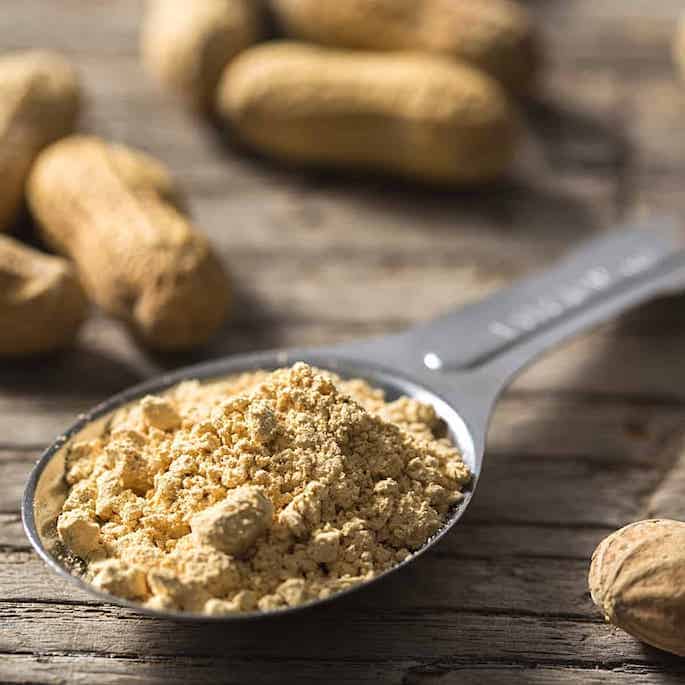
(595, 283)
(509, 329)
(490, 341)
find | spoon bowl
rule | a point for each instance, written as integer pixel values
(47, 490)
(459, 364)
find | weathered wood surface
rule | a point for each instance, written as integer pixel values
(587, 440)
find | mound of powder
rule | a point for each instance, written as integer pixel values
(260, 491)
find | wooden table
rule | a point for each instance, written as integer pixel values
(584, 442)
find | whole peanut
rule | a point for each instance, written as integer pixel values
(39, 103)
(416, 115)
(497, 36)
(186, 45)
(42, 304)
(112, 210)
(637, 579)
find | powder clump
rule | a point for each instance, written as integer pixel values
(257, 492)
(234, 524)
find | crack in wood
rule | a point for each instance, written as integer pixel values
(415, 674)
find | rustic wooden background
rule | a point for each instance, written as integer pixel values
(584, 442)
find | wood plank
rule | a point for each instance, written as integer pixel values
(606, 430)
(625, 35)
(344, 631)
(51, 669)
(14, 470)
(626, 365)
(655, 107)
(75, 27)
(555, 492)
(668, 498)
(12, 532)
(106, 670)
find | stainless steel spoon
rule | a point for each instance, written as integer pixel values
(459, 363)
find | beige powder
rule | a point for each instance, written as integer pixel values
(261, 491)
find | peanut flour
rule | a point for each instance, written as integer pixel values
(257, 492)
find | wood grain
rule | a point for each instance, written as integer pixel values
(587, 440)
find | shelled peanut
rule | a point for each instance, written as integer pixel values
(497, 36)
(39, 103)
(113, 211)
(42, 304)
(186, 45)
(637, 579)
(415, 115)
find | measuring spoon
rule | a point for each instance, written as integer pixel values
(459, 363)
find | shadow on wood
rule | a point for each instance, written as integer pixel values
(665, 316)
(81, 371)
(554, 214)
(575, 139)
